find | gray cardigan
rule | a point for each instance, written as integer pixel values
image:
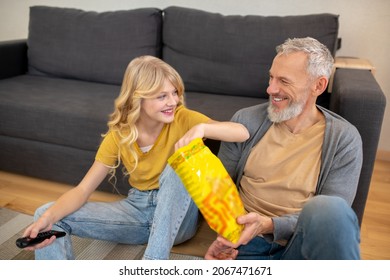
(341, 159)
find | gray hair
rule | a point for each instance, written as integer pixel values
(320, 60)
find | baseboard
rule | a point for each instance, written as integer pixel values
(383, 155)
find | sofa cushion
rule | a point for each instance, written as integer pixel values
(91, 46)
(58, 111)
(219, 107)
(232, 54)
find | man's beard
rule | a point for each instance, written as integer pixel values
(293, 110)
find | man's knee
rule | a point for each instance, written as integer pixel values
(330, 203)
(328, 210)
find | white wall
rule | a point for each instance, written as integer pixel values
(364, 25)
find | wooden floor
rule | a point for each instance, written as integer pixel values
(25, 194)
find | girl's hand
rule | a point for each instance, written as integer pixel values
(223, 131)
(196, 131)
(42, 224)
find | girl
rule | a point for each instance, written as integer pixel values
(149, 122)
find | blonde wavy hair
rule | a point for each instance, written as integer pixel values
(143, 79)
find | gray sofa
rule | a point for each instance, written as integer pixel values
(57, 86)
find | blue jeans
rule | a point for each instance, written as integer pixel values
(160, 218)
(327, 229)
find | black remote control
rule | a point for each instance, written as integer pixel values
(27, 241)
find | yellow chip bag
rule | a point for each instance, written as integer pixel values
(211, 188)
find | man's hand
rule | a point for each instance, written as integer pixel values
(254, 225)
(219, 251)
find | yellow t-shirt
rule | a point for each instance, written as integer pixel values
(282, 170)
(150, 164)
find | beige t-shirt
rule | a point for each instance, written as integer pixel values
(282, 170)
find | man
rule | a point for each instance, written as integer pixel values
(298, 172)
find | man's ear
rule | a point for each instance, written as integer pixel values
(321, 84)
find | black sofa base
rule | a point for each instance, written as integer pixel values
(56, 162)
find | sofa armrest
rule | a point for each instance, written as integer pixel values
(357, 97)
(13, 58)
